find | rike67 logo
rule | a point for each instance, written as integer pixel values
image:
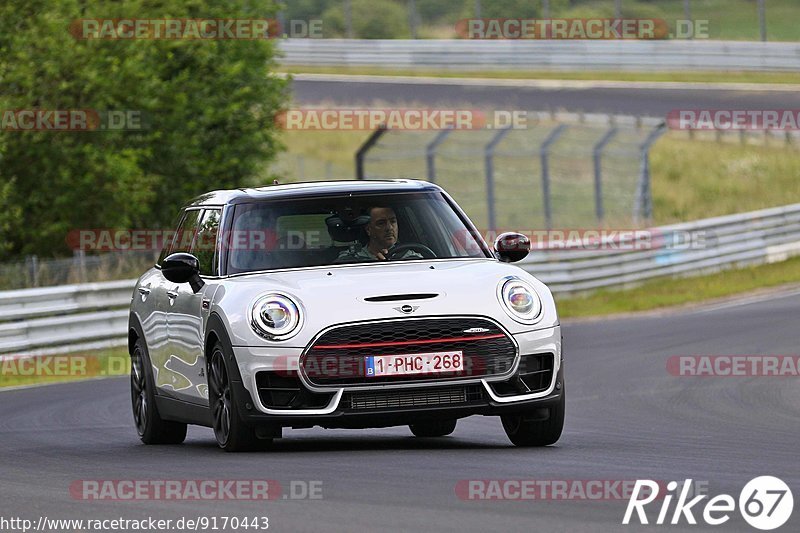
(765, 503)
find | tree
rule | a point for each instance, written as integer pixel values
(207, 109)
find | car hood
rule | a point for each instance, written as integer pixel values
(339, 294)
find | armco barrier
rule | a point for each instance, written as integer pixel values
(71, 317)
(465, 55)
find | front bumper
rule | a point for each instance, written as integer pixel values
(340, 410)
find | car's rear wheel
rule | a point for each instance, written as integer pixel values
(529, 429)
(433, 428)
(151, 427)
(232, 434)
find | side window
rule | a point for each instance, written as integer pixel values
(169, 238)
(205, 242)
(186, 231)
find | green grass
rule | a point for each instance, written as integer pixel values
(700, 179)
(668, 292)
(65, 367)
(682, 77)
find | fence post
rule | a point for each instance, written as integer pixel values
(618, 9)
(348, 18)
(430, 153)
(762, 20)
(79, 260)
(489, 166)
(545, 9)
(543, 156)
(34, 262)
(687, 14)
(597, 153)
(412, 18)
(643, 205)
(364, 148)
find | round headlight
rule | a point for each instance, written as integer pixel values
(275, 317)
(520, 300)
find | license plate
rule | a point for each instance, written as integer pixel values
(410, 364)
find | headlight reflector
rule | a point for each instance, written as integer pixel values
(275, 316)
(520, 300)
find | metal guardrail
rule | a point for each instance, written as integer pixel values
(465, 55)
(72, 317)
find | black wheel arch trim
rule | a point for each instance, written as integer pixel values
(242, 397)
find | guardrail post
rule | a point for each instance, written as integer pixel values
(543, 156)
(643, 204)
(364, 148)
(489, 166)
(430, 153)
(597, 153)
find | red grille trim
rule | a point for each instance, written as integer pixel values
(404, 343)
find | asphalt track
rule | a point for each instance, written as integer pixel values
(647, 99)
(627, 418)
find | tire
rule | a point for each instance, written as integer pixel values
(232, 434)
(152, 429)
(523, 432)
(433, 428)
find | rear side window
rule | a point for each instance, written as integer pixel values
(205, 242)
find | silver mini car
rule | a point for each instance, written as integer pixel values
(342, 305)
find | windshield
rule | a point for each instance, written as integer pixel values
(346, 230)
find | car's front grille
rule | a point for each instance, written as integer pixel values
(338, 356)
(410, 398)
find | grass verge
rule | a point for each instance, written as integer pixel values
(64, 367)
(669, 292)
(600, 75)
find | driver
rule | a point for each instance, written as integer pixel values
(382, 232)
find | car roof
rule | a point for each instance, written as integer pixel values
(309, 190)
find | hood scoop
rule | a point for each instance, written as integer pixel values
(401, 297)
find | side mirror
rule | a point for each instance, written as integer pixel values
(512, 247)
(182, 268)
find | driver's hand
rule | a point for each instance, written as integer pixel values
(381, 255)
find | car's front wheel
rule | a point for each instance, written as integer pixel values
(151, 427)
(229, 429)
(433, 428)
(529, 429)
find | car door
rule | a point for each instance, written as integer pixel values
(152, 307)
(188, 314)
(169, 377)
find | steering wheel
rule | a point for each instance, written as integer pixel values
(400, 249)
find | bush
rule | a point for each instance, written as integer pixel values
(209, 108)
